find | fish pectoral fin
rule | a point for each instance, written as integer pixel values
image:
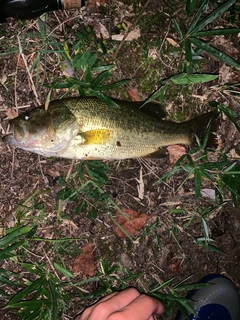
(158, 154)
(97, 136)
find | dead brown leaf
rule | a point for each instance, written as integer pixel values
(175, 152)
(134, 94)
(85, 262)
(11, 113)
(134, 223)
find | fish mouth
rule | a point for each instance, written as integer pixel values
(9, 139)
(17, 135)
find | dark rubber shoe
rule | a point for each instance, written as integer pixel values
(218, 302)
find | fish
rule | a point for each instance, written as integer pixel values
(87, 128)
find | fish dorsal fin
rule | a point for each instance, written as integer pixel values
(158, 154)
(97, 136)
(152, 109)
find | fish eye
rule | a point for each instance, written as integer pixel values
(27, 116)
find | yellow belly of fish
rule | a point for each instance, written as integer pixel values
(116, 146)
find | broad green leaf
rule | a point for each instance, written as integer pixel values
(215, 52)
(12, 235)
(231, 114)
(97, 171)
(158, 93)
(32, 268)
(216, 32)
(9, 250)
(190, 6)
(4, 280)
(176, 26)
(63, 270)
(188, 50)
(195, 286)
(211, 17)
(188, 78)
(196, 18)
(100, 78)
(103, 68)
(167, 175)
(205, 228)
(36, 304)
(92, 214)
(54, 304)
(103, 97)
(88, 76)
(209, 176)
(21, 295)
(112, 85)
(197, 182)
(64, 194)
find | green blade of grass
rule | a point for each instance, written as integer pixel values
(188, 51)
(216, 32)
(112, 85)
(167, 175)
(189, 78)
(176, 26)
(30, 303)
(36, 285)
(100, 78)
(190, 6)
(158, 93)
(103, 97)
(195, 286)
(63, 270)
(54, 304)
(231, 114)
(215, 52)
(19, 231)
(8, 252)
(32, 268)
(197, 182)
(103, 68)
(196, 18)
(212, 16)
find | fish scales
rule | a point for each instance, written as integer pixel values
(134, 134)
(88, 128)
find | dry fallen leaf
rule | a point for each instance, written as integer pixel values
(132, 35)
(134, 94)
(11, 113)
(85, 262)
(172, 42)
(175, 152)
(99, 29)
(134, 223)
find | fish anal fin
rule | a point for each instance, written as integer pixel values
(158, 154)
(97, 136)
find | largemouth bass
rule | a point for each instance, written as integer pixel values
(87, 128)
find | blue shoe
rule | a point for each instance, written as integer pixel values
(218, 302)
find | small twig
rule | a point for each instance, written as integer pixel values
(28, 72)
(51, 264)
(40, 166)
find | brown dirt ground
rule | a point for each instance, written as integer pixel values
(24, 173)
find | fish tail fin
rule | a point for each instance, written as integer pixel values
(206, 126)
